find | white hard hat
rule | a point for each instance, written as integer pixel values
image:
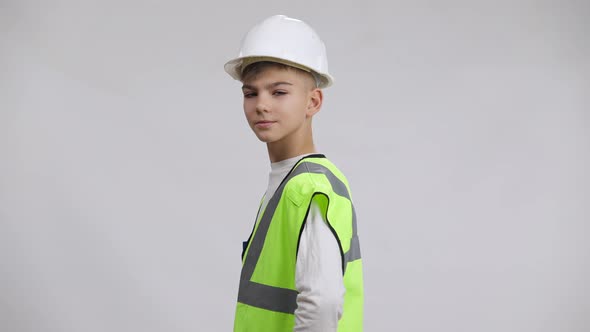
(284, 40)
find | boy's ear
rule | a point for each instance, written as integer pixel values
(314, 103)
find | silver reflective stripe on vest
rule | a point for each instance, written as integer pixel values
(267, 297)
(276, 298)
(354, 252)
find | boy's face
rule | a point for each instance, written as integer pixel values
(279, 104)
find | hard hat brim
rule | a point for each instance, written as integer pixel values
(235, 67)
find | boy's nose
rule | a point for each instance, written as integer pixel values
(262, 107)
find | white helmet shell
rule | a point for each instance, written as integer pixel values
(284, 40)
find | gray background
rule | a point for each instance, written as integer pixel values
(129, 177)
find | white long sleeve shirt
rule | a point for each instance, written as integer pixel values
(318, 276)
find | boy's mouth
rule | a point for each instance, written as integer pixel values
(264, 124)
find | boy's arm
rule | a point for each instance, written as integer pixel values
(318, 277)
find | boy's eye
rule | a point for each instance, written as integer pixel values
(279, 93)
(249, 94)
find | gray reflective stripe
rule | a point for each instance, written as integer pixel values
(354, 252)
(268, 297)
(275, 298)
(338, 186)
(255, 294)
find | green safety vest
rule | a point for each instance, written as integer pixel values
(267, 294)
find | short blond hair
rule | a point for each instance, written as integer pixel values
(253, 69)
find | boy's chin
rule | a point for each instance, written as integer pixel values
(266, 138)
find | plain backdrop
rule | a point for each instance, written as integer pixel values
(129, 177)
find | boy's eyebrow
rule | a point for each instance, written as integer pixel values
(272, 85)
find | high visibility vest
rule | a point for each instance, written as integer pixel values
(267, 293)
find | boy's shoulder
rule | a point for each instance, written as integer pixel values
(324, 162)
(320, 164)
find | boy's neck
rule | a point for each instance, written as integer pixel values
(278, 152)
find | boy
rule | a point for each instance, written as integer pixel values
(301, 265)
